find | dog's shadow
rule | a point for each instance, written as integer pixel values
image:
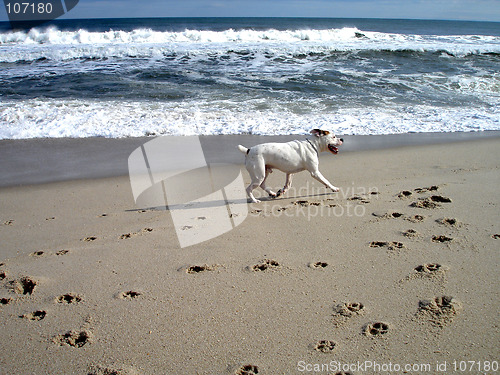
(223, 203)
(191, 205)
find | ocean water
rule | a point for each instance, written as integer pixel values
(135, 77)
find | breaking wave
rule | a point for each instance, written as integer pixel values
(144, 42)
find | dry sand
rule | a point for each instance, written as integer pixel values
(399, 268)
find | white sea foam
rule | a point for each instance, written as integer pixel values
(53, 44)
(115, 119)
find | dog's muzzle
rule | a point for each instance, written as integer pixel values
(333, 149)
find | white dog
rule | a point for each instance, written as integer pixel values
(290, 157)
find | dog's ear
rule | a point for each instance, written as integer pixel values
(316, 132)
(319, 132)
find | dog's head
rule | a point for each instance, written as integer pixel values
(327, 141)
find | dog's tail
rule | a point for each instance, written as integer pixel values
(243, 149)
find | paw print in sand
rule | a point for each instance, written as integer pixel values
(376, 329)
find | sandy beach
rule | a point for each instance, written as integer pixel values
(397, 273)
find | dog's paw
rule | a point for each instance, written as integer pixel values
(254, 201)
(335, 189)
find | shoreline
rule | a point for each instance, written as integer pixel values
(46, 160)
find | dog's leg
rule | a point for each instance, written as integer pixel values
(318, 176)
(252, 186)
(257, 172)
(263, 184)
(288, 183)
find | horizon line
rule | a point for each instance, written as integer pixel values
(269, 17)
